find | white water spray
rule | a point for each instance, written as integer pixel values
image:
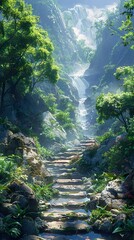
(81, 85)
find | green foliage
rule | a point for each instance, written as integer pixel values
(118, 156)
(105, 136)
(128, 210)
(121, 105)
(99, 182)
(128, 25)
(128, 226)
(47, 131)
(50, 101)
(10, 170)
(26, 51)
(115, 105)
(99, 214)
(64, 119)
(9, 125)
(42, 151)
(85, 52)
(126, 73)
(10, 226)
(44, 192)
(83, 166)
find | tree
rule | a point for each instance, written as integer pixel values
(25, 51)
(116, 105)
(128, 24)
(121, 105)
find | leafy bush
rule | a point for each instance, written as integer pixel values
(9, 125)
(45, 192)
(126, 227)
(99, 213)
(49, 100)
(64, 119)
(10, 170)
(99, 182)
(44, 152)
(105, 136)
(10, 226)
(118, 156)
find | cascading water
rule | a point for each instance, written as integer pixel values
(81, 85)
(82, 20)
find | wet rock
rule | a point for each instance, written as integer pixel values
(129, 185)
(103, 225)
(20, 200)
(21, 189)
(40, 224)
(113, 190)
(106, 226)
(94, 201)
(96, 225)
(31, 237)
(120, 220)
(6, 208)
(18, 141)
(113, 196)
(28, 227)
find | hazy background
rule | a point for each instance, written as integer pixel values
(90, 3)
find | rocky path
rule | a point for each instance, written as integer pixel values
(67, 213)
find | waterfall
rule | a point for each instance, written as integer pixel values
(81, 85)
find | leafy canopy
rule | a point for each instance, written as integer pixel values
(25, 50)
(121, 105)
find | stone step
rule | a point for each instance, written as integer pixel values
(73, 194)
(60, 161)
(75, 149)
(63, 216)
(74, 188)
(69, 205)
(65, 201)
(59, 170)
(66, 154)
(57, 165)
(65, 175)
(87, 145)
(69, 181)
(67, 227)
(92, 140)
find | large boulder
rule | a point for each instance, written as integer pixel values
(24, 147)
(23, 195)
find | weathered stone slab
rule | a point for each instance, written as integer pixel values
(70, 227)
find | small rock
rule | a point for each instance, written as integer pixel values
(106, 226)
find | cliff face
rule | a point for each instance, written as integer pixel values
(52, 20)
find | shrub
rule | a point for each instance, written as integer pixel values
(99, 213)
(118, 156)
(45, 192)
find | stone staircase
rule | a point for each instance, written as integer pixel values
(67, 213)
